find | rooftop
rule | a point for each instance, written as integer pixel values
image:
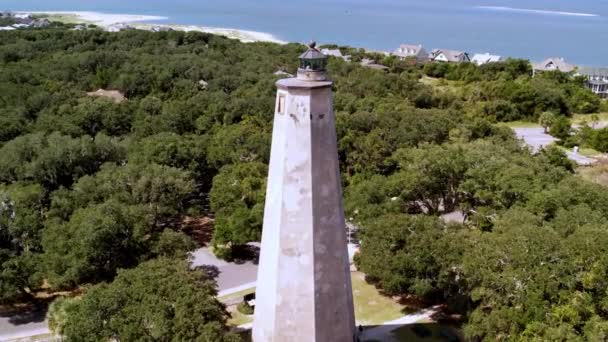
(586, 71)
(554, 63)
(298, 83)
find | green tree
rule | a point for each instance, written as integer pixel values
(95, 242)
(159, 300)
(411, 254)
(599, 140)
(561, 128)
(237, 198)
(546, 120)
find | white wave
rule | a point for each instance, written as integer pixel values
(536, 11)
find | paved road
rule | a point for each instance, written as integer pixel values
(536, 138)
(230, 275)
(384, 331)
(15, 326)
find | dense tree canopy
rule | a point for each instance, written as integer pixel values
(93, 189)
(172, 303)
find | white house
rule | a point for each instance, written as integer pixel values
(484, 58)
(412, 51)
(451, 56)
(597, 80)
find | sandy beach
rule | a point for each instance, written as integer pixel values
(105, 20)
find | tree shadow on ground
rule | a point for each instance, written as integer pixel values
(200, 229)
(211, 271)
(246, 253)
(20, 314)
(417, 332)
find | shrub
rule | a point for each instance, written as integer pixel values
(245, 308)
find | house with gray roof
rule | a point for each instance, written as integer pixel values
(597, 80)
(484, 58)
(336, 53)
(412, 51)
(450, 56)
(552, 64)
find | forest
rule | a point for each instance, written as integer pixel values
(94, 190)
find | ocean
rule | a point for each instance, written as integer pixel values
(534, 29)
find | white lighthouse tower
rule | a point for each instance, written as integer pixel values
(304, 291)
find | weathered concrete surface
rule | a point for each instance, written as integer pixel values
(304, 290)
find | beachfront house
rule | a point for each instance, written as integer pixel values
(449, 56)
(416, 52)
(485, 58)
(597, 80)
(119, 27)
(336, 53)
(552, 64)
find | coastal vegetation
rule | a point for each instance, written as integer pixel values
(93, 190)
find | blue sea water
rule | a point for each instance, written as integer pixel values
(535, 29)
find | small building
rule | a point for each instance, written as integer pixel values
(7, 28)
(41, 23)
(552, 64)
(113, 95)
(485, 58)
(370, 63)
(336, 53)
(377, 52)
(119, 27)
(416, 52)
(597, 80)
(160, 28)
(449, 56)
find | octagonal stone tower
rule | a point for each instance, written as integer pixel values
(304, 291)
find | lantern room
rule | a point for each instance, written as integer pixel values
(312, 64)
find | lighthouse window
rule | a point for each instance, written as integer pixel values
(281, 104)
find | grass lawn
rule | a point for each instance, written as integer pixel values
(583, 151)
(597, 173)
(429, 80)
(371, 308)
(64, 18)
(238, 318)
(520, 124)
(440, 83)
(578, 118)
(589, 152)
(236, 295)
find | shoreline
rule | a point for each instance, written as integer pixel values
(106, 20)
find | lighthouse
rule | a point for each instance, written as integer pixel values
(304, 291)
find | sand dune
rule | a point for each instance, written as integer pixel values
(138, 21)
